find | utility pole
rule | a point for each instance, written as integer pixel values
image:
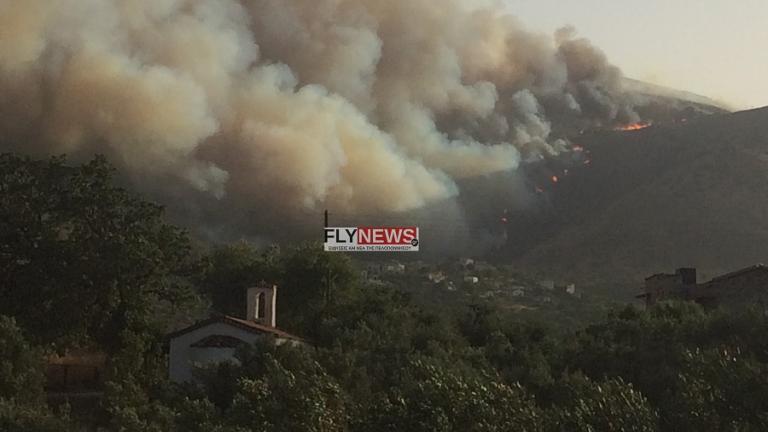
(328, 276)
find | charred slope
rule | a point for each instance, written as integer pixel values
(693, 194)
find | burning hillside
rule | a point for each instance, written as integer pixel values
(220, 107)
(687, 193)
(634, 126)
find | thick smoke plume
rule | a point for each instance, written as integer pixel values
(288, 106)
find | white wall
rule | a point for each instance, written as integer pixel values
(183, 358)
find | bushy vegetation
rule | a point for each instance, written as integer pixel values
(86, 264)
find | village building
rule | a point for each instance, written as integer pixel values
(473, 280)
(76, 372)
(745, 286)
(548, 285)
(216, 339)
(748, 286)
(76, 379)
(395, 268)
(664, 286)
(436, 277)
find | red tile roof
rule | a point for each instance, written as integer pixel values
(242, 324)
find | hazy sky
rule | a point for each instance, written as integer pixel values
(717, 48)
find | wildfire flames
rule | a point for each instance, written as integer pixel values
(559, 176)
(634, 126)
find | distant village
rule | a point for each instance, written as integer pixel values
(471, 278)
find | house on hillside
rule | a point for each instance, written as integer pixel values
(664, 286)
(748, 286)
(216, 339)
(436, 277)
(548, 285)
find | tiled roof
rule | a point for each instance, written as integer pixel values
(741, 272)
(242, 324)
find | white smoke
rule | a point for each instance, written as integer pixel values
(360, 105)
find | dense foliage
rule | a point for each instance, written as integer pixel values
(22, 399)
(81, 259)
(85, 263)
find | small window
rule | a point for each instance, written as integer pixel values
(261, 303)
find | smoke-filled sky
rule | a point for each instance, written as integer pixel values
(716, 48)
(285, 107)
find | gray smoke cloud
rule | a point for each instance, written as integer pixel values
(290, 106)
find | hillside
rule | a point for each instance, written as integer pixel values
(671, 94)
(690, 194)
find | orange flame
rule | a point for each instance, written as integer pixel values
(634, 126)
(555, 179)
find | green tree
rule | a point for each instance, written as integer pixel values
(198, 414)
(721, 389)
(644, 348)
(16, 417)
(608, 406)
(651, 349)
(229, 270)
(21, 365)
(135, 376)
(82, 259)
(314, 284)
(22, 398)
(367, 342)
(432, 396)
(274, 389)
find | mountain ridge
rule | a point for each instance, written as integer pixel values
(658, 198)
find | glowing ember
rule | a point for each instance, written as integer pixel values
(555, 179)
(577, 148)
(634, 126)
